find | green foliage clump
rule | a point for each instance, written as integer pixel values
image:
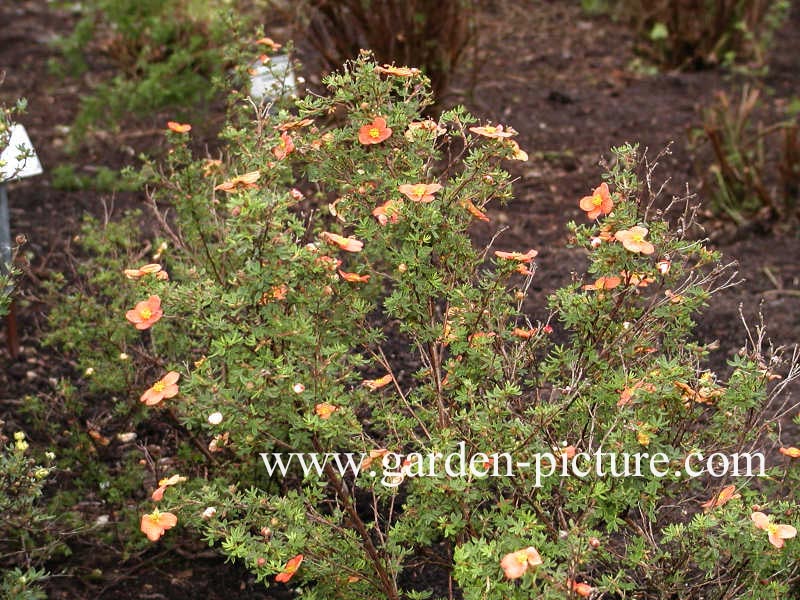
(754, 170)
(26, 523)
(324, 297)
(169, 55)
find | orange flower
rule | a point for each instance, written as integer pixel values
(240, 182)
(637, 279)
(474, 210)
(673, 297)
(328, 262)
(725, 494)
(375, 132)
(519, 153)
(156, 523)
(569, 452)
(626, 395)
(145, 313)
(397, 71)
(374, 384)
(704, 394)
(420, 192)
(294, 124)
(290, 569)
(354, 277)
(347, 244)
(142, 271)
(524, 334)
(166, 387)
(515, 564)
(388, 212)
(584, 590)
(523, 269)
(427, 126)
(179, 127)
(518, 256)
(211, 166)
(603, 283)
(775, 532)
(373, 454)
(599, 203)
(791, 452)
(324, 410)
(269, 43)
(633, 240)
(279, 291)
(493, 131)
(284, 148)
(158, 494)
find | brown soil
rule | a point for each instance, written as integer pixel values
(558, 76)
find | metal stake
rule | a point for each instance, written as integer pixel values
(12, 339)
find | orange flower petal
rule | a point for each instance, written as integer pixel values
(290, 569)
(179, 127)
(324, 410)
(493, 131)
(725, 494)
(633, 240)
(374, 384)
(353, 277)
(474, 211)
(155, 524)
(518, 256)
(419, 192)
(375, 132)
(345, 243)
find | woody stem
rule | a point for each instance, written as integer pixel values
(344, 496)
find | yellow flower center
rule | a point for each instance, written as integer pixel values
(772, 529)
(637, 237)
(419, 191)
(159, 386)
(374, 132)
(145, 313)
(491, 129)
(597, 200)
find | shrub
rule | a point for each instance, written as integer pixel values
(705, 33)
(161, 55)
(435, 35)
(755, 168)
(324, 296)
(26, 521)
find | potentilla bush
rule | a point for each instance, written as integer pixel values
(324, 298)
(26, 521)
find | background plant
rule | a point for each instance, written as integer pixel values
(702, 34)
(436, 36)
(161, 56)
(26, 532)
(281, 347)
(755, 173)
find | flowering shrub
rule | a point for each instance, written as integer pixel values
(324, 296)
(25, 521)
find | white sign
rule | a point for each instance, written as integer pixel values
(15, 163)
(273, 81)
